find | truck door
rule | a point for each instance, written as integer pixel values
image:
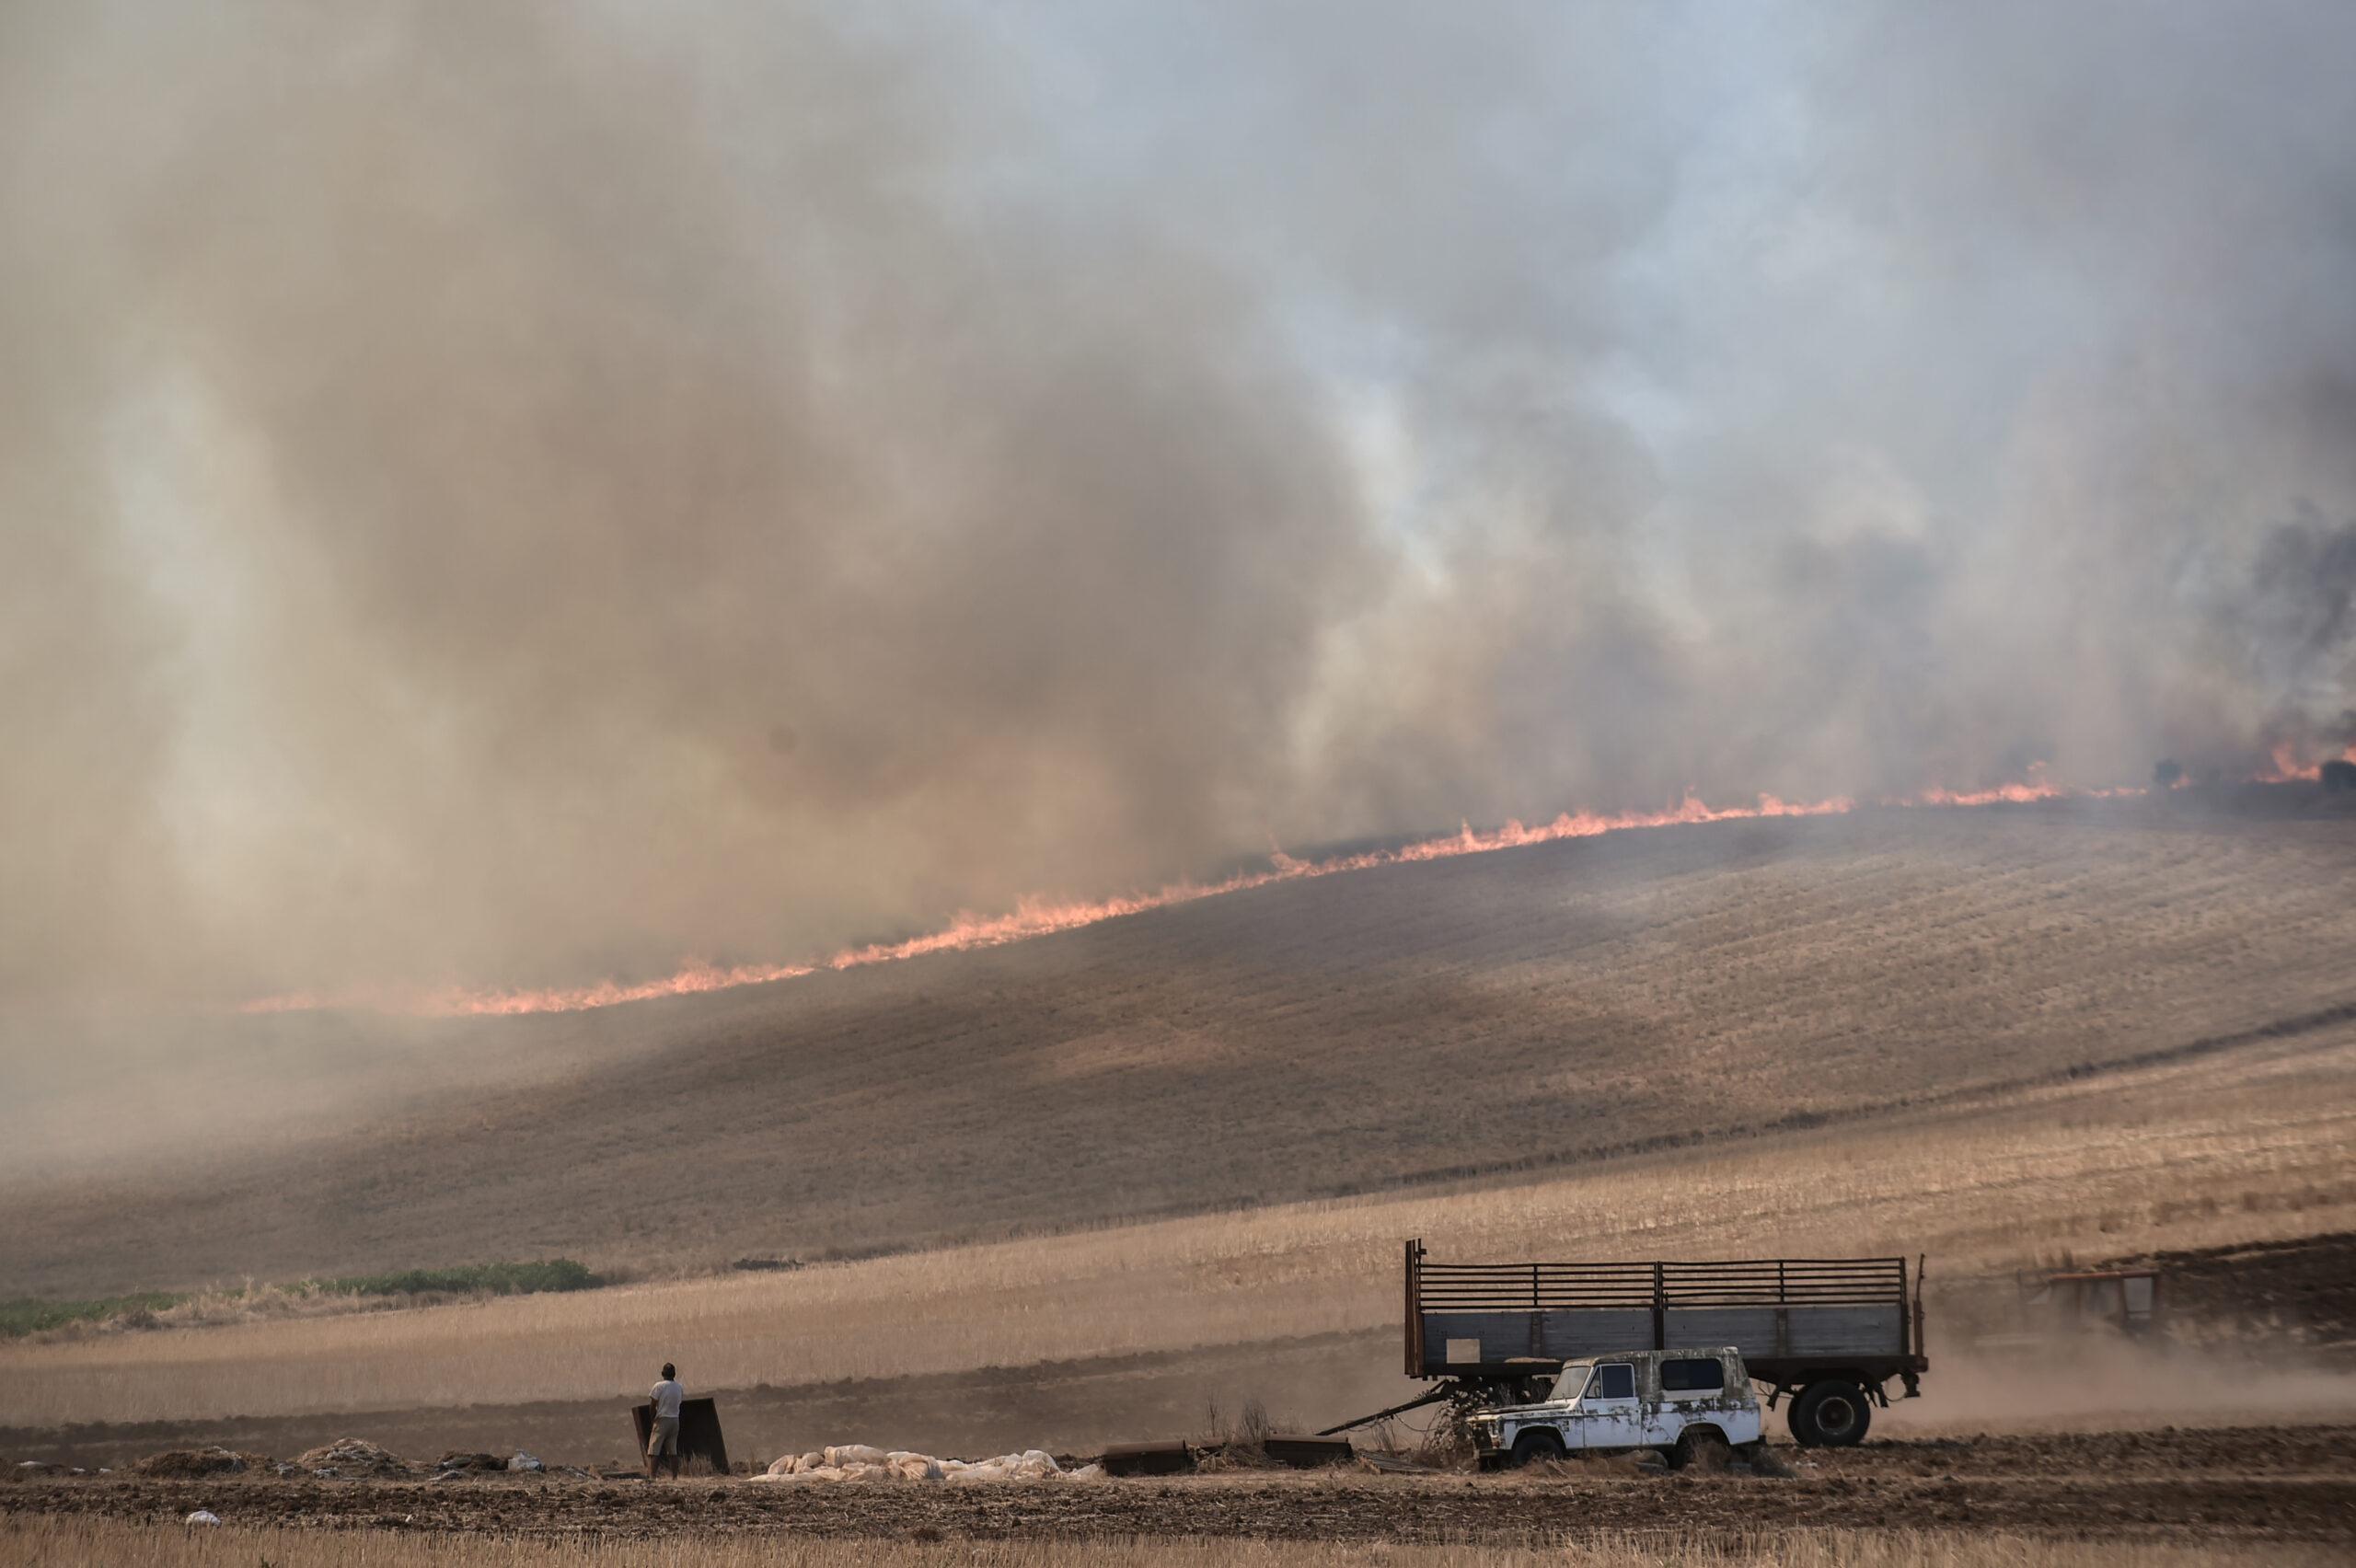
(1685, 1381)
(1608, 1415)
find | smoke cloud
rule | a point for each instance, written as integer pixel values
(518, 494)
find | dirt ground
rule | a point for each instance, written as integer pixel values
(2274, 1324)
(1070, 1406)
(2259, 1485)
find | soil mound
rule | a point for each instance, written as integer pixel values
(349, 1456)
(185, 1462)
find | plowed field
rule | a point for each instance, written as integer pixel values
(1667, 987)
(2246, 1486)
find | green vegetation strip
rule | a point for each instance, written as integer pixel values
(25, 1315)
(489, 1279)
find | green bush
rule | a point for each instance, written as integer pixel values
(493, 1279)
(24, 1315)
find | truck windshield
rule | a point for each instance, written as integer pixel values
(1571, 1382)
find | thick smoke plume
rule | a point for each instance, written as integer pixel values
(527, 494)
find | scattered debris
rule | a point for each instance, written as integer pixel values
(350, 1458)
(183, 1462)
(1149, 1459)
(522, 1462)
(859, 1462)
(1266, 1451)
(463, 1463)
(1295, 1452)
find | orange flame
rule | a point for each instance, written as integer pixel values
(1040, 916)
(452, 1001)
(2290, 766)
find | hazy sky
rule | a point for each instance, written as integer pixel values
(519, 493)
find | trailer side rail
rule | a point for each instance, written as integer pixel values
(1869, 1297)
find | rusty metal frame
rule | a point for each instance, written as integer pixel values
(1658, 1287)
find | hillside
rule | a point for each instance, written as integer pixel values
(1444, 1021)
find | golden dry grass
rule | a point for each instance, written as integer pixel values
(2244, 1145)
(1355, 1033)
(54, 1541)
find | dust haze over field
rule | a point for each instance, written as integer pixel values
(515, 496)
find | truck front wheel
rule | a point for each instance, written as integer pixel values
(1534, 1445)
(1830, 1414)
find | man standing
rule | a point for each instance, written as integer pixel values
(663, 1437)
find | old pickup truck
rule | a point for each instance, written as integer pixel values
(1682, 1402)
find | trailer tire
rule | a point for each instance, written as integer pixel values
(1834, 1414)
(1537, 1442)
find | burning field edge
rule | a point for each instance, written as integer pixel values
(1038, 917)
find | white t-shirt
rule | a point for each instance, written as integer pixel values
(667, 1397)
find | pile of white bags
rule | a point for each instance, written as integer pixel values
(857, 1461)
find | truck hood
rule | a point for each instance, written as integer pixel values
(1544, 1407)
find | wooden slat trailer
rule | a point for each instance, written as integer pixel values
(1831, 1332)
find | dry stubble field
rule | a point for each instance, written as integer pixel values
(53, 1542)
(1487, 1016)
(2239, 1144)
(1998, 1037)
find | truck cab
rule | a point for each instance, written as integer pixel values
(1680, 1403)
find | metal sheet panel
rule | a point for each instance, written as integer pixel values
(699, 1436)
(1457, 1338)
(1567, 1336)
(1750, 1329)
(1149, 1459)
(1847, 1330)
(1761, 1332)
(1306, 1453)
(1466, 1338)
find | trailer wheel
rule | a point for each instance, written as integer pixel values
(1539, 1443)
(1830, 1414)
